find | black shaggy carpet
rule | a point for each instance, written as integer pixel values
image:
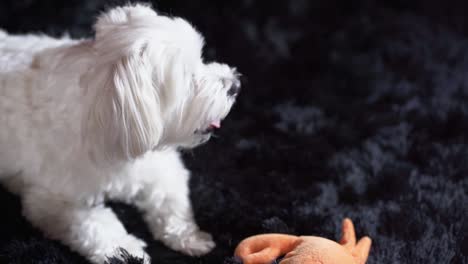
(350, 109)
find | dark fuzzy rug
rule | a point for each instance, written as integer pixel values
(350, 109)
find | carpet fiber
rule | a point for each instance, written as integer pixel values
(349, 109)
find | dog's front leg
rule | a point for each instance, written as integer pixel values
(166, 205)
(93, 231)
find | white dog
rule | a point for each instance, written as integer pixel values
(82, 121)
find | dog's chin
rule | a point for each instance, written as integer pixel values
(203, 139)
(195, 141)
(200, 136)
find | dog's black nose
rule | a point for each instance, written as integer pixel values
(234, 89)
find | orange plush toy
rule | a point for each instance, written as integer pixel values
(264, 249)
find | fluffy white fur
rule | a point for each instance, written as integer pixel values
(82, 121)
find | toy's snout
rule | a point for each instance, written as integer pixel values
(264, 249)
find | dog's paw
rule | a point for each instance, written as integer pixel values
(123, 256)
(196, 243)
(134, 247)
(124, 250)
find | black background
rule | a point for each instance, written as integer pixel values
(349, 108)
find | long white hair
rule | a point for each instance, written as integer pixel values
(146, 82)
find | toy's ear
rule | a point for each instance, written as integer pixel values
(348, 239)
(361, 251)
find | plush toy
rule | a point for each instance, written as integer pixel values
(264, 249)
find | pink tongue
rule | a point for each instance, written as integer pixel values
(215, 124)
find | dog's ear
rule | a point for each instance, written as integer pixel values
(124, 119)
(123, 16)
(177, 44)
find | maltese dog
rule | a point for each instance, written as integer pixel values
(85, 121)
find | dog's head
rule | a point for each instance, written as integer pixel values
(149, 85)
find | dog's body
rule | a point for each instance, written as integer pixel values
(82, 121)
